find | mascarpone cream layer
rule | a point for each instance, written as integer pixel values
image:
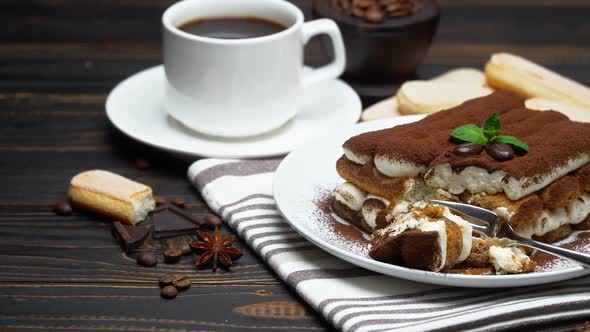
(478, 180)
(508, 260)
(350, 195)
(473, 179)
(370, 212)
(396, 168)
(551, 220)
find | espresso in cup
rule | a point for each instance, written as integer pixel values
(232, 27)
(234, 68)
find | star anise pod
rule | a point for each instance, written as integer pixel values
(215, 249)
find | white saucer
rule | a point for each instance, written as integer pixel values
(135, 108)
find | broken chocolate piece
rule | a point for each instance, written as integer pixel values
(170, 221)
(130, 237)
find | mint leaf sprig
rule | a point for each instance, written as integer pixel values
(488, 134)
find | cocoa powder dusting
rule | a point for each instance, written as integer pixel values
(344, 231)
(578, 241)
(553, 138)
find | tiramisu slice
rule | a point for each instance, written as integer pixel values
(530, 167)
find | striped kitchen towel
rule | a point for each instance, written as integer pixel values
(355, 299)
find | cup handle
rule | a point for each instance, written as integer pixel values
(336, 67)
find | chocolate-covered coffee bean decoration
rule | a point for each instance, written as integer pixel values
(500, 151)
(467, 149)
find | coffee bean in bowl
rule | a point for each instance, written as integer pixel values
(385, 40)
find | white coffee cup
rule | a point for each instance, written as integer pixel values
(241, 87)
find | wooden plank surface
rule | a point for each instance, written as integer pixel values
(58, 61)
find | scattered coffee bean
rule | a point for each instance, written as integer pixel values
(467, 149)
(172, 255)
(374, 15)
(166, 280)
(182, 282)
(62, 209)
(185, 248)
(178, 202)
(169, 292)
(212, 221)
(147, 259)
(142, 164)
(160, 200)
(500, 151)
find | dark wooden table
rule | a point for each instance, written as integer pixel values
(58, 61)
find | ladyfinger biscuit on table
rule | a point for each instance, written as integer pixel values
(510, 72)
(111, 195)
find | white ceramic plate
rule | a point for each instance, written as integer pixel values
(310, 172)
(135, 108)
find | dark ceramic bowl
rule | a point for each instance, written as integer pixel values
(379, 55)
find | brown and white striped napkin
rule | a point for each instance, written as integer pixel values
(355, 299)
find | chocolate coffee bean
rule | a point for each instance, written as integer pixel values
(146, 259)
(169, 292)
(62, 209)
(172, 255)
(467, 149)
(182, 282)
(212, 220)
(166, 280)
(500, 151)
